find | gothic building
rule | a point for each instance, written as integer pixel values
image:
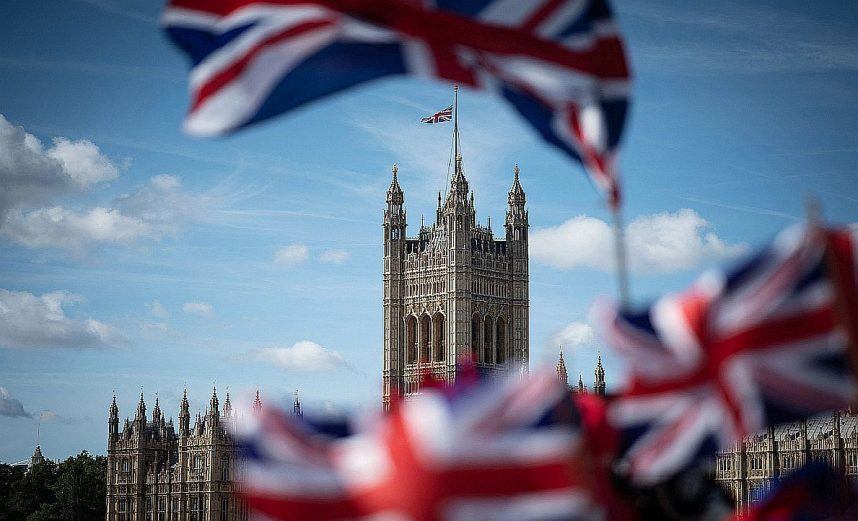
(748, 469)
(156, 473)
(453, 291)
(598, 380)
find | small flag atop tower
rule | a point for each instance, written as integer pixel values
(439, 117)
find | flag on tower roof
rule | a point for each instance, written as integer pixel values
(560, 63)
(440, 116)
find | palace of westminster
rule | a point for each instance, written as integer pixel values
(452, 292)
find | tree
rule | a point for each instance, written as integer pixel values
(73, 490)
(81, 488)
(9, 477)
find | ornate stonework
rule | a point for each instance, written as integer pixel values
(747, 470)
(157, 474)
(453, 291)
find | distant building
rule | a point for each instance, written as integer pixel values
(453, 291)
(155, 473)
(598, 380)
(748, 469)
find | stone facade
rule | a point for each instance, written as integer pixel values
(155, 473)
(747, 470)
(453, 291)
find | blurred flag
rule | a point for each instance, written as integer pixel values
(495, 452)
(560, 63)
(764, 344)
(439, 117)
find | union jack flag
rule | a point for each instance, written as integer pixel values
(766, 343)
(497, 452)
(439, 117)
(560, 63)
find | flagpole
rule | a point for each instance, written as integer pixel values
(455, 123)
(620, 254)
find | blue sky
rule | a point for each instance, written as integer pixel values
(254, 260)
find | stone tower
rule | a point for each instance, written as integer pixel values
(453, 292)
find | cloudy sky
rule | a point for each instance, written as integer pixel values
(133, 256)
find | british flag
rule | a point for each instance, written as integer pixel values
(439, 117)
(764, 344)
(497, 452)
(560, 63)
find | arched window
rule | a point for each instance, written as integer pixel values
(410, 339)
(476, 324)
(224, 468)
(488, 355)
(438, 346)
(425, 327)
(500, 341)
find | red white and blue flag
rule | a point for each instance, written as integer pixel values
(499, 452)
(560, 63)
(764, 344)
(439, 117)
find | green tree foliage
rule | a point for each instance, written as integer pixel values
(73, 490)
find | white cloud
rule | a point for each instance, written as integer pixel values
(32, 175)
(10, 406)
(27, 320)
(292, 254)
(66, 229)
(153, 211)
(83, 161)
(202, 309)
(334, 256)
(158, 310)
(302, 356)
(657, 243)
(573, 335)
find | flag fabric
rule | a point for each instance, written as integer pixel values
(560, 63)
(439, 117)
(764, 344)
(496, 452)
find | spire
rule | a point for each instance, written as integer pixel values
(599, 383)
(562, 375)
(184, 415)
(516, 193)
(394, 192)
(141, 408)
(257, 403)
(581, 388)
(156, 411)
(296, 407)
(227, 406)
(114, 410)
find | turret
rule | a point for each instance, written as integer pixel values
(156, 411)
(227, 408)
(141, 410)
(214, 411)
(113, 421)
(184, 416)
(516, 214)
(562, 375)
(296, 407)
(599, 383)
